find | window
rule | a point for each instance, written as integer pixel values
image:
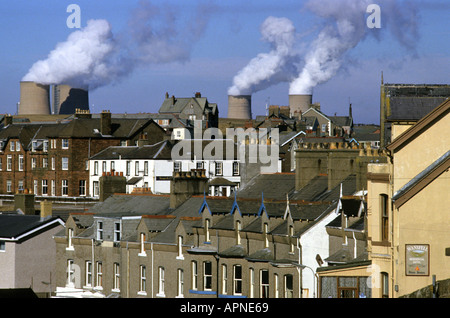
(53, 187)
(20, 162)
(235, 168)
(2, 246)
(1, 166)
(103, 166)
(65, 143)
(112, 166)
(142, 249)
(11, 146)
(35, 187)
(44, 187)
(264, 283)
(142, 280)
(324, 127)
(199, 165)
(145, 168)
(17, 146)
(275, 285)
(69, 239)
(33, 163)
(288, 286)
(53, 143)
(88, 277)
(45, 146)
(237, 280)
(8, 163)
(194, 272)
(291, 237)
(99, 275)
(82, 188)
(128, 171)
(219, 170)
(53, 163)
(224, 279)
(207, 275)
(70, 273)
(95, 168)
(99, 230)
(116, 282)
(266, 235)
(180, 247)
(117, 232)
(20, 185)
(8, 186)
(161, 282)
(180, 288)
(136, 168)
(385, 285)
(65, 187)
(95, 187)
(44, 162)
(207, 222)
(65, 163)
(238, 232)
(384, 217)
(252, 283)
(177, 166)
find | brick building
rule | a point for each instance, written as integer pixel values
(51, 158)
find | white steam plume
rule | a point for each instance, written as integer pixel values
(267, 69)
(346, 29)
(93, 56)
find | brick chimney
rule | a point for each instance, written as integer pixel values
(105, 122)
(112, 183)
(25, 202)
(46, 209)
(186, 184)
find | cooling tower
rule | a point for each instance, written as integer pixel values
(34, 99)
(299, 103)
(240, 106)
(67, 99)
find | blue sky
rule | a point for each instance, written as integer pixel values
(212, 41)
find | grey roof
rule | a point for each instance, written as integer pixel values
(272, 186)
(132, 205)
(14, 225)
(177, 105)
(412, 108)
(160, 150)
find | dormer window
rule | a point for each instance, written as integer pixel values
(117, 231)
(99, 230)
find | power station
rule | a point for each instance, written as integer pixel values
(42, 99)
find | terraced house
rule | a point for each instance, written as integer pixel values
(51, 158)
(187, 244)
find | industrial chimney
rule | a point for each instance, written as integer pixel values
(34, 99)
(299, 104)
(240, 106)
(67, 99)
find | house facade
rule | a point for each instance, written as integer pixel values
(52, 159)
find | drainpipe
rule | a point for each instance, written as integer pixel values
(128, 271)
(299, 270)
(151, 249)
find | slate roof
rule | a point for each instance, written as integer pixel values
(412, 108)
(132, 205)
(273, 186)
(13, 226)
(160, 150)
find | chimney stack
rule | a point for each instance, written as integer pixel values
(186, 184)
(25, 202)
(105, 123)
(110, 184)
(46, 209)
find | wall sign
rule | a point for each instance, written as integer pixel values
(417, 259)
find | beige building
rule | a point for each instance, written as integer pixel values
(407, 220)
